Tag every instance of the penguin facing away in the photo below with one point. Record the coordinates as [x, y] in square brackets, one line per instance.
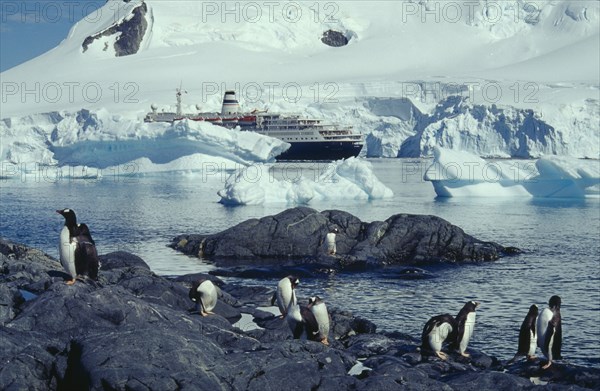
[318, 308]
[285, 296]
[438, 330]
[330, 240]
[77, 249]
[549, 331]
[528, 335]
[465, 323]
[204, 294]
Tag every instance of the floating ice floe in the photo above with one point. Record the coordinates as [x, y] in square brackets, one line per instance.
[92, 145]
[460, 174]
[352, 178]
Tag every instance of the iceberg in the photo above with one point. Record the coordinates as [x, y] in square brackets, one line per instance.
[462, 174]
[86, 141]
[352, 178]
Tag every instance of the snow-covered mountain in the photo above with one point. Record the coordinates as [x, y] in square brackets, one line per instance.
[496, 78]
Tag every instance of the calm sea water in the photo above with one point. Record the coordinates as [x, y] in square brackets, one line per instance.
[561, 240]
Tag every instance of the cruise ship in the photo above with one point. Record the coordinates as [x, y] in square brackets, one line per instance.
[310, 139]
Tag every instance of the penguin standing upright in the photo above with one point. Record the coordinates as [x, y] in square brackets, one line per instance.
[319, 310]
[77, 249]
[302, 322]
[204, 294]
[528, 335]
[285, 294]
[465, 323]
[438, 330]
[549, 331]
[330, 240]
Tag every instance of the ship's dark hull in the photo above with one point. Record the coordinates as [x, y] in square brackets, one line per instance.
[323, 150]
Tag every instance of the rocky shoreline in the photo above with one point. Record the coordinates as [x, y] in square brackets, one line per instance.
[135, 330]
[295, 238]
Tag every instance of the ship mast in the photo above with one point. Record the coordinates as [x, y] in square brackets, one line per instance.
[178, 97]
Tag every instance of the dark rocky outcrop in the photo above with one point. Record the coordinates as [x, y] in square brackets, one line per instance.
[295, 237]
[132, 31]
[133, 330]
[334, 38]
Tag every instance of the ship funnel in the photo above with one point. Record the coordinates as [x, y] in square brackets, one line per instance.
[230, 104]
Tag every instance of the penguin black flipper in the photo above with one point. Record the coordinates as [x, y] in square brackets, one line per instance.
[274, 298]
[527, 330]
[86, 255]
[433, 323]
[554, 327]
[310, 324]
[86, 260]
[298, 330]
[549, 340]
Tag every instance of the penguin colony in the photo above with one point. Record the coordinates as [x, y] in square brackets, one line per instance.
[543, 331]
[79, 257]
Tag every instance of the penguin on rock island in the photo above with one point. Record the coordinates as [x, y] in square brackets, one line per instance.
[330, 240]
[204, 294]
[528, 335]
[317, 306]
[549, 331]
[77, 249]
[465, 323]
[437, 331]
[285, 295]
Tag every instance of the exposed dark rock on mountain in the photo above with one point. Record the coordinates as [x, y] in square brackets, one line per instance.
[295, 237]
[134, 330]
[334, 38]
[132, 31]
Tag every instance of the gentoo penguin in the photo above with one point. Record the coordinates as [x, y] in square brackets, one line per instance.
[204, 294]
[319, 310]
[77, 249]
[330, 240]
[285, 294]
[549, 336]
[302, 321]
[527, 335]
[465, 323]
[438, 330]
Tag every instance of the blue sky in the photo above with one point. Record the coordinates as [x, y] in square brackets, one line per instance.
[29, 28]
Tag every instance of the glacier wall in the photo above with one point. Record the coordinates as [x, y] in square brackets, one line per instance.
[402, 130]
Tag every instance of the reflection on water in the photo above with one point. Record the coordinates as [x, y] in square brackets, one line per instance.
[560, 239]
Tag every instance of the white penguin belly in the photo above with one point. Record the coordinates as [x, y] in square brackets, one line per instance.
[322, 317]
[331, 242]
[285, 298]
[294, 318]
[532, 343]
[438, 335]
[208, 295]
[66, 249]
[542, 327]
[469, 327]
